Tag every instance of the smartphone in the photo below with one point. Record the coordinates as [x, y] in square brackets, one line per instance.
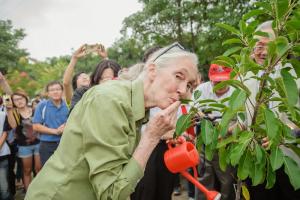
[92, 48]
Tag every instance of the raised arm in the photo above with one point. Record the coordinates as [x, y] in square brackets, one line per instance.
[67, 80]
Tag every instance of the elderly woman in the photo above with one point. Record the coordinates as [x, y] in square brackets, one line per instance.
[102, 154]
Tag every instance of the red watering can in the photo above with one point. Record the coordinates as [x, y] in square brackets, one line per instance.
[182, 157]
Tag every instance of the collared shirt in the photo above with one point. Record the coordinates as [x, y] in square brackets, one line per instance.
[207, 92]
[51, 116]
[94, 158]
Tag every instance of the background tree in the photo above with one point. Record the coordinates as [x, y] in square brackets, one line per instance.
[191, 23]
[10, 53]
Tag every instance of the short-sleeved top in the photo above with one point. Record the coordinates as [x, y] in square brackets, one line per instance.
[94, 159]
[25, 135]
[207, 92]
[51, 116]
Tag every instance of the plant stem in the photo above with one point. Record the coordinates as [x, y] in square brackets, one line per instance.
[238, 190]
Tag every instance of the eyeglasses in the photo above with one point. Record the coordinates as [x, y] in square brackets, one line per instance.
[54, 90]
[175, 45]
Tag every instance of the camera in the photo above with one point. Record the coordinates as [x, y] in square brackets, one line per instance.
[6, 99]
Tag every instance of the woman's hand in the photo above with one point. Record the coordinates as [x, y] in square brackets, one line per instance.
[102, 52]
[79, 52]
[163, 122]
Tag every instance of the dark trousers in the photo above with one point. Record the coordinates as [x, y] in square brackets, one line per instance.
[11, 166]
[46, 150]
[158, 181]
[213, 178]
[282, 190]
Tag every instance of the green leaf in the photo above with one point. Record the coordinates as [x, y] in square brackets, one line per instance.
[243, 170]
[243, 26]
[282, 7]
[226, 141]
[242, 116]
[209, 153]
[222, 158]
[282, 45]
[228, 28]
[237, 100]
[272, 126]
[197, 94]
[294, 24]
[199, 143]
[231, 51]
[238, 151]
[271, 177]
[253, 13]
[207, 101]
[290, 87]
[185, 101]
[236, 103]
[265, 5]
[206, 131]
[229, 62]
[293, 171]
[258, 174]
[296, 65]
[183, 123]
[294, 148]
[259, 153]
[262, 34]
[232, 41]
[217, 105]
[233, 83]
[276, 158]
[226, 118]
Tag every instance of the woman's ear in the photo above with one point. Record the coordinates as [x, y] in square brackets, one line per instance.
[151, 71]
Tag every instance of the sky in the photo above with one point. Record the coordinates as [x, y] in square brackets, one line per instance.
[55, 27]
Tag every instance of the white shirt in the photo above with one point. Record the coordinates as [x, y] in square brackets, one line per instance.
[207, 92]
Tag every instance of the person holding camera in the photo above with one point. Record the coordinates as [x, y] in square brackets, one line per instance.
[80, 79]
[26, 138]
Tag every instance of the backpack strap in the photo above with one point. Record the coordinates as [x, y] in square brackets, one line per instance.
[17, 117]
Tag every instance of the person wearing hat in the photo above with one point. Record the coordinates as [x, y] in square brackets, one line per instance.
[211, 175]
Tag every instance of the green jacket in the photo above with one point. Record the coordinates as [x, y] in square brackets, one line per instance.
[94, 158]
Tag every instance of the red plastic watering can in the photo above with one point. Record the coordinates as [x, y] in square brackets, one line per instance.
[182, 157]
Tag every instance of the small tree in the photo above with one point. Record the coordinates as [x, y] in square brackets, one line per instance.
[243, 148]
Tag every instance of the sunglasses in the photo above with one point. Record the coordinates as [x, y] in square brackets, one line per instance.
[173, 46]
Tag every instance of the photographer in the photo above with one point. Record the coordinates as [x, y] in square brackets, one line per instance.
[80, 79]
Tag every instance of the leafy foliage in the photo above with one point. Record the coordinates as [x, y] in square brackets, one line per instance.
[277, 94]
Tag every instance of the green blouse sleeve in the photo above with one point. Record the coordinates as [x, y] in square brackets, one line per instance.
[108, 147]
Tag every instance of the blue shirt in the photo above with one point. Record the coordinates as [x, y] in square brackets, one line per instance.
[53, 117]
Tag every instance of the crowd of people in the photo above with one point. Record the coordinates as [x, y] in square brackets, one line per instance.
[103, 136]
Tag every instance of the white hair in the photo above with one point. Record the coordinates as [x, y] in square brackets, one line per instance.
[160, 58]
[266, 27]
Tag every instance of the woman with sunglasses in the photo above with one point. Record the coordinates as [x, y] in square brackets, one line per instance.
[26, 138]
[102, 154]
